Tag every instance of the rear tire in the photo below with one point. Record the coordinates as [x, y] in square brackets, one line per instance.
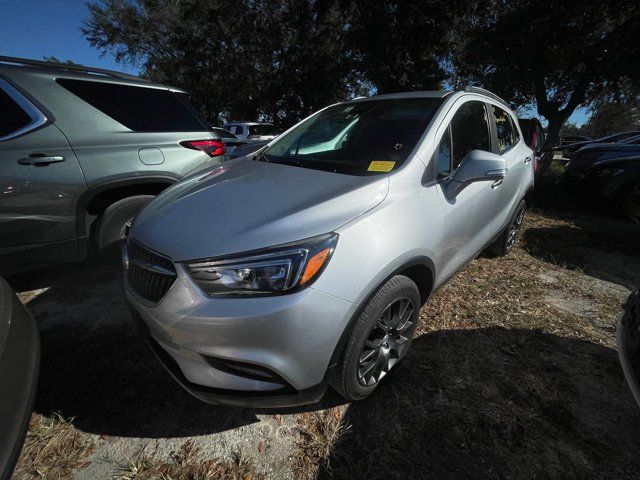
[113, 223]
[509, 236]
[380, 338]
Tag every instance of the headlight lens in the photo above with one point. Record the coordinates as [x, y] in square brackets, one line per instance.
[276, 270]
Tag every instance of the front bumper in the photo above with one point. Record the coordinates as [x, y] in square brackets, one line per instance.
[628, 340]
[293, 337]
[19, 362]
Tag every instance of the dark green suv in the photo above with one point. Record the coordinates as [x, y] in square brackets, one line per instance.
[81, 151]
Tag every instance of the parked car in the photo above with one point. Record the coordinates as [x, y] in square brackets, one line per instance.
[566, 140]
[81, 151]
[253, 131]
[534, 136]
[289, 271]
[247, 149]
[613, 186]
[231, 142]
[592, 154]
[569, 150]
[19, 362]
[628, 339]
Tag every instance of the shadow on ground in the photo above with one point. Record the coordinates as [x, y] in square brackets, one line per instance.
[605, 249]
[96, 370]
[494, 403]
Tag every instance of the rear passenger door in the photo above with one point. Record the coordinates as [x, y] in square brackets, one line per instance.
[469, 218]
[40, 183]
[517, 156]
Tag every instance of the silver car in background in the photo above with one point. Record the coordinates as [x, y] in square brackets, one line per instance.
[264, 280]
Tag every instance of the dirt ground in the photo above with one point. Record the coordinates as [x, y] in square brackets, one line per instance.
[513, 374]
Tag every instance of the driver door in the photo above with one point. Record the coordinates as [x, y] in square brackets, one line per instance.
[469, 218]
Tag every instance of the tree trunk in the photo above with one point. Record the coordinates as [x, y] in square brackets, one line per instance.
[556, 122]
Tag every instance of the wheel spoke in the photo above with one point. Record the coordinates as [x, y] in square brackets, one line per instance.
[366, 356]
[387, 341]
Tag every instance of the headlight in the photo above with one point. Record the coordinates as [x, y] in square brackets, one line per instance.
[275, 270]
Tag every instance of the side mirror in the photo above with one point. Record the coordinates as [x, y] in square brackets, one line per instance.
[477, 166]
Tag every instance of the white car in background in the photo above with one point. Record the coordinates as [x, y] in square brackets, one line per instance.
[253, 131]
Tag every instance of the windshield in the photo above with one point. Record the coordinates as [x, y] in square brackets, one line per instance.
[363, 138]
[263, 130]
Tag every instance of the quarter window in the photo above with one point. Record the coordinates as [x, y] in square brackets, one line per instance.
[13, 118]
[139, 109]
[505, 130]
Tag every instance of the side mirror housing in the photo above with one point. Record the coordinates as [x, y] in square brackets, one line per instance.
[477, 166]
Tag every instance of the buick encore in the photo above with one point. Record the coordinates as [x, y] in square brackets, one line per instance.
[305, 264]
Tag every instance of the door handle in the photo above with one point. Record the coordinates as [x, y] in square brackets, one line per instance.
[39, 159]
[496, 184]
[527, 159]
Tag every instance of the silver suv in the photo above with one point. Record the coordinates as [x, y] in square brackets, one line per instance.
[81, 151]
[266, 279]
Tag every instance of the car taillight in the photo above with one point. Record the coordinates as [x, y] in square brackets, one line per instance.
[213, 148]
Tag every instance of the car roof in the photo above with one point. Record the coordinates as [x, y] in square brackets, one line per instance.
[435, 94]
[9, 65]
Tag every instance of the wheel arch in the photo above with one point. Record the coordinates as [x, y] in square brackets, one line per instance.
[95, 200]
[421, 270]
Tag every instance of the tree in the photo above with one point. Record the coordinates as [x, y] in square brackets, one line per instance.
[560, 54]
[279, 60]
[615, 111]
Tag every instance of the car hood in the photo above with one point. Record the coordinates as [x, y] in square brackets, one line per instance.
[246, 205]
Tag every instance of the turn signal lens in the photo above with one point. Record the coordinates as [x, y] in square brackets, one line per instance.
[314, 264]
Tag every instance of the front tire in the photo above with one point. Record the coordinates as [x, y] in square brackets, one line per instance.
[380, 338]
[112, 225]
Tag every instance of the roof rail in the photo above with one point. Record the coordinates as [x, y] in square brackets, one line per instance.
[70, 67]
[472, 89]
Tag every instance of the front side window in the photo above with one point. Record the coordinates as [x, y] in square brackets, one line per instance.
[443, 154]
[139, 109]
[13, 118]
[361, 138]
[469, 131]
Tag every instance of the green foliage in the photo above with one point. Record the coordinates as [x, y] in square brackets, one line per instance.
[558, 54]
[282, 60]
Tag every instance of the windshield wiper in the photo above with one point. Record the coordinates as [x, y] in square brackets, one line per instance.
[261, 157]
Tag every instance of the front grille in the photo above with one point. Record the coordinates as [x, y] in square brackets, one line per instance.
[148, 274]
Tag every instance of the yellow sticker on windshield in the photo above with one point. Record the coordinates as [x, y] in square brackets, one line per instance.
[378, 166]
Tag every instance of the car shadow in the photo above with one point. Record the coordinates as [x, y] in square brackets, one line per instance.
[604, 249]
[97, 370]
[494, 403]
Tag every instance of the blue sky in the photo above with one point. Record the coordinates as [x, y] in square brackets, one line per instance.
[37, 28]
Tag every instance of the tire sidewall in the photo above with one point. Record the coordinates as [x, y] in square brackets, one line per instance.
[397, 287]
[111, 222]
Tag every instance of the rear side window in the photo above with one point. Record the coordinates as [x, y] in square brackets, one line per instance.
[12, 118]
[469, 131]
[139, 109]
[506, 131]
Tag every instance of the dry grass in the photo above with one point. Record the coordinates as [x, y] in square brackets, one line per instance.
[512, 373]
[320, 432]
[53, 449]
[186, 464]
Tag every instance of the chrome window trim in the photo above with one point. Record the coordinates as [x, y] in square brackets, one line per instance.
[37, 117]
